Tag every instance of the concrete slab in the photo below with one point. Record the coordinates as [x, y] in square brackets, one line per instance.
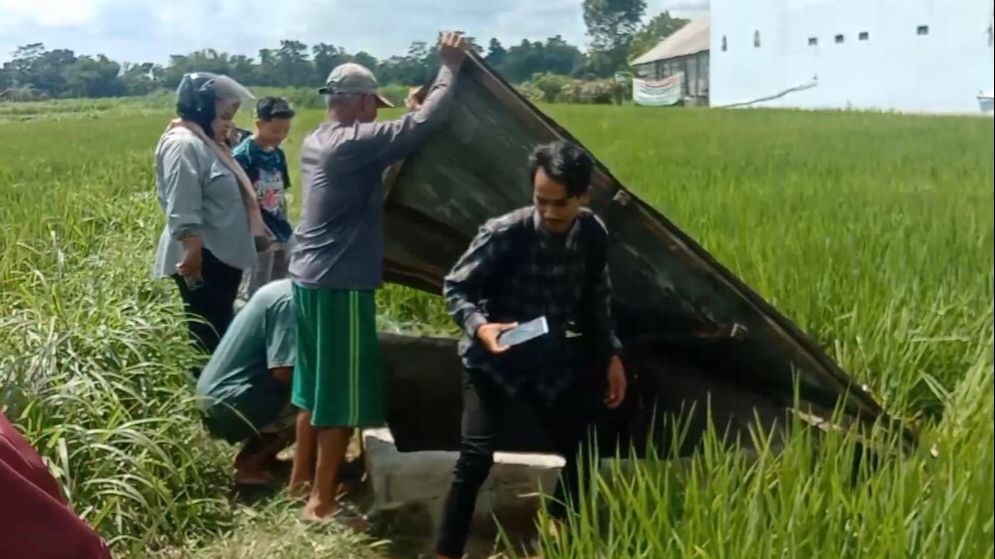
[417, 483]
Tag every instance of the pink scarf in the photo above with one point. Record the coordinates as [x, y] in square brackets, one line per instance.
[259, 230]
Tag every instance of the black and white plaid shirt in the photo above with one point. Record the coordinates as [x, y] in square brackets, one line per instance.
[515, 271]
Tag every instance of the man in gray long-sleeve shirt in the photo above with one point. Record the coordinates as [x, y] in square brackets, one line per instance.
[338, 263]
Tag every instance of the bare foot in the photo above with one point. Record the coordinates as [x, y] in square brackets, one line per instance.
[315, 510]
[334, 514]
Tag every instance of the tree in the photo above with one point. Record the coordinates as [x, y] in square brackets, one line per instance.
[366, 59]
[412, 69]
[266, 71]
[418, 50]
[472, 44]
[424, 58]
[599, 64]
[293, 67]
[560, 57]
[36, 72]
[242, 68]
[207, 60]
[49, 71]
[611, 25]
[655, 30]
[19, 67]
[141, 79]
[34, 66]
[496, 53]
[520, 62]
[325, 57]
[523, 60]
[94, 77]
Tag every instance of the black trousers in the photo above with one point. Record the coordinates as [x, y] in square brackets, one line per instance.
[485, 408]
[211, 307]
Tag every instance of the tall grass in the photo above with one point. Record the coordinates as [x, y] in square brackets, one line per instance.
[78, 109]
[159, 102]
[873, 232]
[93, 362]
[802, 494]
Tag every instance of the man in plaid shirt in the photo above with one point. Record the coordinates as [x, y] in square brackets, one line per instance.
[548, 259]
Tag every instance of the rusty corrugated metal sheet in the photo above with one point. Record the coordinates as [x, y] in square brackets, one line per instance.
[674, 302]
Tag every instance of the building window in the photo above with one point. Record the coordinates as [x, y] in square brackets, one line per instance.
[864, 35]
[813, 41]
[839, 38]
[922, 30]
[703, 73]
[725, 44]
[756, 39]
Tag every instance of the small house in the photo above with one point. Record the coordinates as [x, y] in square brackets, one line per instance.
[682, 56]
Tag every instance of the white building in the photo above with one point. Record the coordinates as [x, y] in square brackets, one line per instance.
[906, 55]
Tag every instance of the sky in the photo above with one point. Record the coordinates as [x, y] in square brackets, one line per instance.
[149, 31]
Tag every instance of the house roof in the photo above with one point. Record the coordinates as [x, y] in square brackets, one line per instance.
[688, 40]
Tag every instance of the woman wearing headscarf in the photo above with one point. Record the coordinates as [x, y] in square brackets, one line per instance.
[213, 224]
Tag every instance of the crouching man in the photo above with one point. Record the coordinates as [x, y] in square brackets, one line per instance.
[545, 260]
[244, 391]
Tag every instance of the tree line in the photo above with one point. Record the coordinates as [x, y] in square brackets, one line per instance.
[615, 29]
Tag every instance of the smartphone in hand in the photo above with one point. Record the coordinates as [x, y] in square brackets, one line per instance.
[524, 332]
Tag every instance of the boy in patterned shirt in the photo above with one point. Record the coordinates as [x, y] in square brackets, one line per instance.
[266, 165]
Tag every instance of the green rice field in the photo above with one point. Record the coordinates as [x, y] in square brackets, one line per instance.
[873, 232]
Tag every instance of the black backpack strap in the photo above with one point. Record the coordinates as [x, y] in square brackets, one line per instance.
[596, 241]
[595, 238]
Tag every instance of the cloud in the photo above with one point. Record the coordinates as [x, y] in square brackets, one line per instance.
[687, 5]
[539, 20]
[135, 31]
[50, 13]
[683, 8]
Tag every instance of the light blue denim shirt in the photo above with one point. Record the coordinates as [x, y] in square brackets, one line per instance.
[199, 195]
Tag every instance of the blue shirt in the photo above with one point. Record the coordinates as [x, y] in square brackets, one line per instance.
[237, 390]
[267, 169]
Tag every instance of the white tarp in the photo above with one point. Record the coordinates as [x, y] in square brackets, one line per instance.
[658, 93]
